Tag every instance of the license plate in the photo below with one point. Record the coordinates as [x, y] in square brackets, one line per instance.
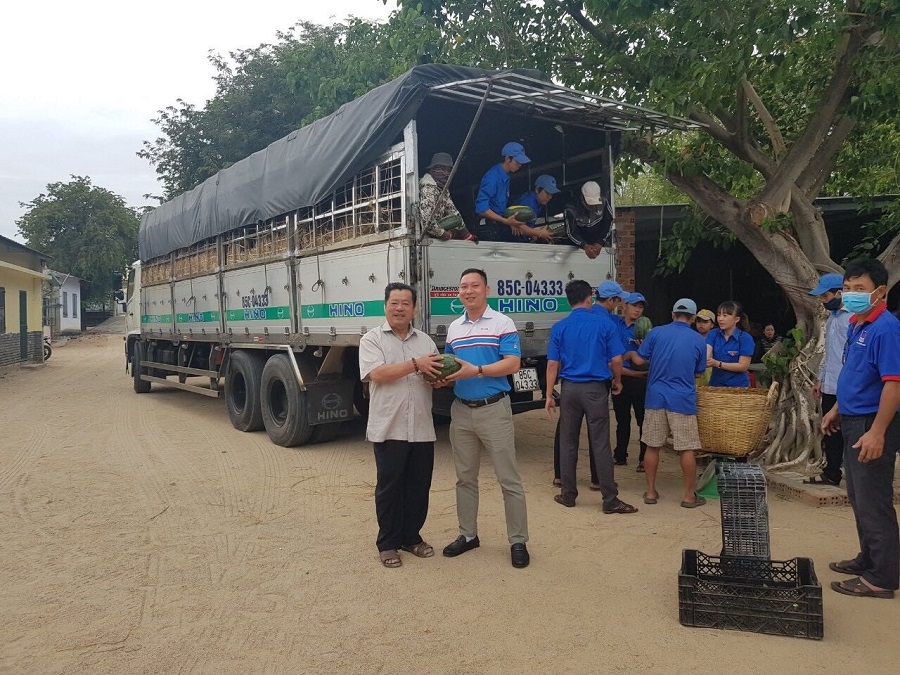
[526, 379]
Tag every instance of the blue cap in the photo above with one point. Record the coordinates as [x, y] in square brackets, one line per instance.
[516, 151]
[635, 298]
[685, 306]
[547, 183]
[610, 289]
[828, 282]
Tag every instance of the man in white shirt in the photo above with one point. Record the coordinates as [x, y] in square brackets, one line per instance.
[392, 358]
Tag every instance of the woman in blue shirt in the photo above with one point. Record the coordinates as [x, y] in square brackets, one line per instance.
[729, 347]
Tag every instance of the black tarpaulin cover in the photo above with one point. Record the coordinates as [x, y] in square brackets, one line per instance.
[300, 169]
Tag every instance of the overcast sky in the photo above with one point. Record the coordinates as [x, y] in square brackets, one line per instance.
[81, 81]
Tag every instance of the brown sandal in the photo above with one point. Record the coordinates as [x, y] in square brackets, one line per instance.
[420, 550]
[390, 558]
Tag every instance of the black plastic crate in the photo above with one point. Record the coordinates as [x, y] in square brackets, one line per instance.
[745, 513]
[760, 596]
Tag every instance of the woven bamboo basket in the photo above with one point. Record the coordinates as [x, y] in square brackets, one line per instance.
[733, 420]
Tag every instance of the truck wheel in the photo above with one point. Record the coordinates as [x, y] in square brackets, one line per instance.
[137, 355]
[283, 404]
[242, 386]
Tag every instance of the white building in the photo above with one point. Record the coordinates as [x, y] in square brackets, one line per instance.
[63, 304]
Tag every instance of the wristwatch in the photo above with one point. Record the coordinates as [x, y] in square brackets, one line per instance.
[480, 371]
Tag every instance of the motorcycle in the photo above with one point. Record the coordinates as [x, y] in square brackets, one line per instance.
[48, 349]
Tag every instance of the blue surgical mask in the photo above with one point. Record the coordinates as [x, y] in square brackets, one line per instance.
[832, 305]
[858, 302]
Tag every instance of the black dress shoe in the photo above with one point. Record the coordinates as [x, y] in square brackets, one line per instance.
[459, 546]
[519, 555]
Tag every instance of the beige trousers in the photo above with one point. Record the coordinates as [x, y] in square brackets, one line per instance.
[489, 427]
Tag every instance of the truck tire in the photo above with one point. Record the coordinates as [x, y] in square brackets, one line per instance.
[283, 404]
[137, 355]
[242, 387]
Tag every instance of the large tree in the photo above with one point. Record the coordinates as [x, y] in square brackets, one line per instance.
[793, 99]
[88, 230]
[264, 93]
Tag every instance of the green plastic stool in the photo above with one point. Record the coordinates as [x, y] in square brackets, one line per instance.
[708, 483]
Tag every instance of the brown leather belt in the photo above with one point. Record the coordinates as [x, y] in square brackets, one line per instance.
[481, 402]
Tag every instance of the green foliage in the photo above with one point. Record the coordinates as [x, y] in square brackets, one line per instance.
[648, 187]
[676, 248]
[778, 360]
[264, 93]
[88, 230]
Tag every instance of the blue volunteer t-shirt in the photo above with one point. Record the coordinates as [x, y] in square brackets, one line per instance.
[493, 193]
[676, 353]
[730, 350]
[626, 334]
[481, 343]
[871, 357]
[584, 344]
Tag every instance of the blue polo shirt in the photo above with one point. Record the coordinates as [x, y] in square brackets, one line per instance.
[730, 350]
[493, 193]
[626, 334]
[481, 343]
[676, 353]
[584, 344]
[871, 357]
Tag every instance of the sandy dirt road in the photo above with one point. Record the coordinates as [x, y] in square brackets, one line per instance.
[143, 534]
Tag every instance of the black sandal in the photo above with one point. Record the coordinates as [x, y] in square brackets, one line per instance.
[820, 480]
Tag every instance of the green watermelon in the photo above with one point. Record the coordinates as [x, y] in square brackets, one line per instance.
[641, 327]
[524, 214]
[452, 222]
[450, 366]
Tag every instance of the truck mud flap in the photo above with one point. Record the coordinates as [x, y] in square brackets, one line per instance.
[329, 401]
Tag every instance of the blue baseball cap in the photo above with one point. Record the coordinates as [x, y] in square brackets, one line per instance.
[547, 183]
[685, 306]
[635, 298]
[828, 282]
[610, 289]
[516, 151]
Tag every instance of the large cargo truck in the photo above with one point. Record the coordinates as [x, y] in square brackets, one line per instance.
[258, 284]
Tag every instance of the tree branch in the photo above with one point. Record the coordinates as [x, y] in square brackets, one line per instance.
[833, 99]
[573, 9]
[747, 151]
[818, 170]
[768, 121]
[891, 259]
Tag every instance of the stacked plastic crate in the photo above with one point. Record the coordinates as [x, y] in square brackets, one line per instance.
[743, 589]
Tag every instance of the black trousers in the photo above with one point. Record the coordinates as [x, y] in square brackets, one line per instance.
[833, 445]
[401, 493]
[556, 475]
[871, 492]
[578, 400]
[634, 390]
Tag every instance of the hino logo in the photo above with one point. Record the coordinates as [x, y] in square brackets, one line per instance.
[456, 306]
[332, 401]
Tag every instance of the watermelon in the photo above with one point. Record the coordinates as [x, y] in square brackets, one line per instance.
[452, 222]
[641, 327]
[523, 214]
[449, 366]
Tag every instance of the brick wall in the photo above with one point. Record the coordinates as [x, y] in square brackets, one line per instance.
[9, 348]
[625, 258]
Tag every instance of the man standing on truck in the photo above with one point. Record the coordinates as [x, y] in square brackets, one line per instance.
[391, 358]
[588, 222]
[537, 200]
[486, 344]
[493, 197]
[435, 207]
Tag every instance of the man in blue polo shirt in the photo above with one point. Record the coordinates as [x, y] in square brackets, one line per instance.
[868, 397]
[493, 197]
[634, 384]
[586, 353]
[537, 200]
[486, 345]
[677, 355]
